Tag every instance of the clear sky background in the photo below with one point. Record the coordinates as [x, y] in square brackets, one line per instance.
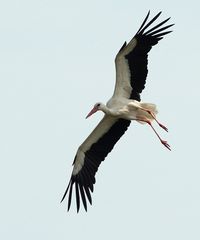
[56, 61]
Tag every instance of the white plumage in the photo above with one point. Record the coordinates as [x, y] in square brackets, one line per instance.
[131, 72]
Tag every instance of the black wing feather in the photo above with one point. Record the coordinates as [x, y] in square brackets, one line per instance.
[70, 194]
[138, 57]
[85, 179]
[159, 25]
[143, 23]
[88, 194]
[148, 24]
[77, 196]
[83, 196]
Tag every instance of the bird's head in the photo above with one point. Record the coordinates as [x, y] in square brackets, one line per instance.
[98, 106]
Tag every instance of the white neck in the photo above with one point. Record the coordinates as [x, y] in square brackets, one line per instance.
[108, 111]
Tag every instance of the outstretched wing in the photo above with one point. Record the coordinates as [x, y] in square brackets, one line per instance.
[131, 61]
[89, 156]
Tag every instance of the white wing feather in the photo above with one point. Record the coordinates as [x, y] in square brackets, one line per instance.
[122, 86]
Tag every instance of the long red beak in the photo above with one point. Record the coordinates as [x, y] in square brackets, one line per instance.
[92, 112]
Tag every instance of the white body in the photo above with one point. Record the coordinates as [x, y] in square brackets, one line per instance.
[129, 109]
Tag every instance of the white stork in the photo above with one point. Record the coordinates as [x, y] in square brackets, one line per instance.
[124, 106]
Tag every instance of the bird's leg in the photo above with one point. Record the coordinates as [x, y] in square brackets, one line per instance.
[153, 116]
[161, 140]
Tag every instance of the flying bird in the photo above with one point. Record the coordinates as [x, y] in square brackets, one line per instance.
[125, 105]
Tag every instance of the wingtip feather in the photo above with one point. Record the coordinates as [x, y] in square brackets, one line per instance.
[144, 21]
[65, 193]
[149, 23]
[77, 197]
[70, 196]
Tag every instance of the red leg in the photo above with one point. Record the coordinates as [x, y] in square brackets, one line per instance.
[153, 116]
[161, 140]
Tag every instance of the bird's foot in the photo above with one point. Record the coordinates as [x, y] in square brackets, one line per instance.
[166, 144]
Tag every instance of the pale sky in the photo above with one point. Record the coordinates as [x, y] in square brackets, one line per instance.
[57, 60]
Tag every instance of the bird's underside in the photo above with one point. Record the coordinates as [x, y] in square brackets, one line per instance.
[131, 72]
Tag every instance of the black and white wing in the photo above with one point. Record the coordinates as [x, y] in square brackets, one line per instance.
[131, 61]
[131, 72]
[89, 156]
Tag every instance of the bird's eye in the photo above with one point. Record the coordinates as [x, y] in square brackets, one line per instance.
[98, 105]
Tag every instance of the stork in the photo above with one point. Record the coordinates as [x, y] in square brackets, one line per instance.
[124, 106]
